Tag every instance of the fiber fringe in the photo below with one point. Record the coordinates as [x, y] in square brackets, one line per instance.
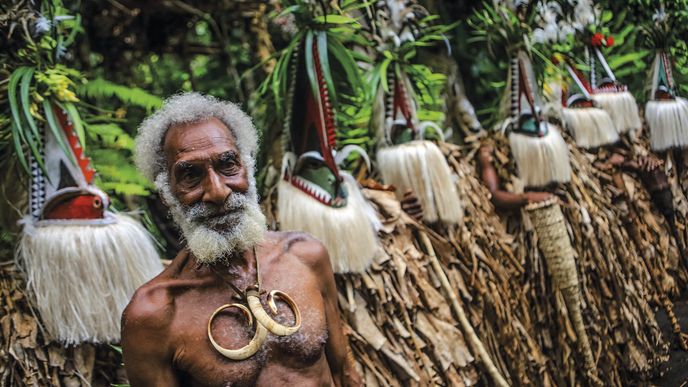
[82, 276]
[420, 165]
[668, 122]
[591, 127]
[336, 228]
[541, 160]
[622, 108]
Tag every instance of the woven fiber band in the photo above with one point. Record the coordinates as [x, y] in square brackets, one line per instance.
[555, 245]
[554, 242]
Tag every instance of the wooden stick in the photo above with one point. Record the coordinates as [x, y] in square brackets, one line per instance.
[473, 339]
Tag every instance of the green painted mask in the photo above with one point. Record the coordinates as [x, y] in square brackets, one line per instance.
[664, 90]
[528, 125]
[525, 99]
[401, 133]
[311, 136]
[312, 176]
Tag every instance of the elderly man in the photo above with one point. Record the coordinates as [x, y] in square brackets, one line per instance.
[239, 305]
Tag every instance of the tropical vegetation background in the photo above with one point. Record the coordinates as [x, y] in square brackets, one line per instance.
[110, 63]
[113, 62]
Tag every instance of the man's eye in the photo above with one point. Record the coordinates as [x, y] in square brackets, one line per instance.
[228, 167]
[188, 176]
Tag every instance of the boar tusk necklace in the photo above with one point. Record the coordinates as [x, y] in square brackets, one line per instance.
[255, 313]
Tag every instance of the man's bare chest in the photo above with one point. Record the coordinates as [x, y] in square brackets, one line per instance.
[196, 358]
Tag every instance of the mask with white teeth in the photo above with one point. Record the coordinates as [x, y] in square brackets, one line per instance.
[313, 177]
[314, 195]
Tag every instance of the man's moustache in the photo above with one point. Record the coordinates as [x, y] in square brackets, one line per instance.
[208, 211]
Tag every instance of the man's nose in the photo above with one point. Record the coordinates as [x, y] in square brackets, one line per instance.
[214, 189]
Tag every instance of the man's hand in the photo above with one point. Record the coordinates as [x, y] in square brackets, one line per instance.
[412, 206]
[649, 163]
[536, 197]
[616, 159]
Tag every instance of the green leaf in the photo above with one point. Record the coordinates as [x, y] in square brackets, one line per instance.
[16, 139]
[428, 19]
[116, 173]
[607, 16]
[25, 85]
[361, 57]
[276, 81]
[346, 60]
[112, 135]
[16, 76]
[412, 52]
[354, 141]
[325, 65]
[383, 74]
[73, 114]
[125, 188]
[310, 66]
[17, 133]
[101, 88]
[74, 32]
[288, 10]
[285, 70]
[618, 61]
[57, 130]
[352, 5]
[373, 80]
[334, 19]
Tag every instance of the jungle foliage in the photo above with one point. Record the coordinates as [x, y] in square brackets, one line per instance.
[109, 64]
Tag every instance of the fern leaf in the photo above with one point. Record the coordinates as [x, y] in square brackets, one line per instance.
[100, 88]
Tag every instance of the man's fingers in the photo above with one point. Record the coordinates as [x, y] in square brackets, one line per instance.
[411, 205]
[410, 209]
[418, 216]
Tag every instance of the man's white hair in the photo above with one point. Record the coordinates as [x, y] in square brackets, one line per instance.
[206, 243]
[190, 108]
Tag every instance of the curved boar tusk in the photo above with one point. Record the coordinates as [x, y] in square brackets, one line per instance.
[262, 317]
[249, 349]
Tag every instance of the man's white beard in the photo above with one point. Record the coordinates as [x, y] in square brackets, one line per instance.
[213, 233]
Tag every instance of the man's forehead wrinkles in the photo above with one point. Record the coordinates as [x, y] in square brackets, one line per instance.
[197, 158]
[201, 143]
[193, 155]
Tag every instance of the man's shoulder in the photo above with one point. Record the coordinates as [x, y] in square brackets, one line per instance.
[150, 306]
[301, 246]
[152, 303]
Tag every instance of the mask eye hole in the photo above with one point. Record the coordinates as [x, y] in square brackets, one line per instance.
[97, 202]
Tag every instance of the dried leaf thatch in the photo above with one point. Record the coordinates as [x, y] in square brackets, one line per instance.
[616, 284]
[401, 325]
[27, 358]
